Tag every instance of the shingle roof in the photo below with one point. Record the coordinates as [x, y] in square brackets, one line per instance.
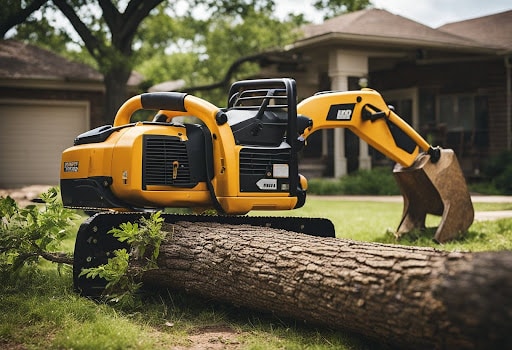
[19, 60]
[493, 29]
[379, 25]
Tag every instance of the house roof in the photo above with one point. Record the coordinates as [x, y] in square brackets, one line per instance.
[380, 26]
[494, 29]
[23, 61]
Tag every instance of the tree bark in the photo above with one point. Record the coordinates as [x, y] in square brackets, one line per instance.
[18, 15]
[406, 297]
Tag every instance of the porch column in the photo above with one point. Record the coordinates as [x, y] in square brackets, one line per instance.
[342, 65]
[339, 82]
[365, 161]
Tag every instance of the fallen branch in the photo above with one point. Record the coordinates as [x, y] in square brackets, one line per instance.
[58, 257]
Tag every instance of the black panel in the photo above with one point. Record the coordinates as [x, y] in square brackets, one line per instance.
[98, 134]
[161, 153]
[92, 192]
[165, 162]
[401, 139]
[172, 101]
[200, 152]
[257, 164]
[341, 112]
[268, 130]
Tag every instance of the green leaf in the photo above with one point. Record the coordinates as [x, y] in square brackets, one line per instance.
[26, 233]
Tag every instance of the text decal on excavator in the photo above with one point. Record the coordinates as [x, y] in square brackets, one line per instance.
[71, 167]
[342, 112]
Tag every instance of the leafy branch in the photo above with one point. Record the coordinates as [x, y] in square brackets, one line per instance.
[144, 238]
[26, 234]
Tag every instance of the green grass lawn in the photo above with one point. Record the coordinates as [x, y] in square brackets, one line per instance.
[377, 221]
[40, 310]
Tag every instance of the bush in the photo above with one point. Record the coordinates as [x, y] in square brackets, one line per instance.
[325, 186]
[378, 181]
[499, 172]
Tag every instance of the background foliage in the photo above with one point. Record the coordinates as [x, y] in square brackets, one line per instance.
[193, 40]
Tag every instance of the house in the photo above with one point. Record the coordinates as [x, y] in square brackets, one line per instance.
[45, 101]
[452, 84]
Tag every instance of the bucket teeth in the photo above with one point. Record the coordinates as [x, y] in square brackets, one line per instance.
[435, 188]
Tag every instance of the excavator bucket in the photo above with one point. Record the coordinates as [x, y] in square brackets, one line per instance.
[437, 188]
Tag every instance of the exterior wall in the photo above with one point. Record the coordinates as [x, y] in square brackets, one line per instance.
[484, 79]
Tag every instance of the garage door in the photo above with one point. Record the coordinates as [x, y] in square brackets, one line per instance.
[32, 137]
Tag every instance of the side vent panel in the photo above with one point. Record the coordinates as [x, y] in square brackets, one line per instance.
[165, 162]
[264, 170]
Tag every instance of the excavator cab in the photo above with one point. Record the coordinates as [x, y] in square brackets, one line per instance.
[244, 157]
[260, 112]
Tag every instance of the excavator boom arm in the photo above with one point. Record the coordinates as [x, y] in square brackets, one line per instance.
[429, 178]
[367, 115]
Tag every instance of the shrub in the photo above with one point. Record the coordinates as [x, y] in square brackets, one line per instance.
[378, 181]
[324, 186]
[499, 172]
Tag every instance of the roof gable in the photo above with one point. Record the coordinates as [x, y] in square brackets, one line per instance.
[23, 61]
[493, 29]
[383, 25]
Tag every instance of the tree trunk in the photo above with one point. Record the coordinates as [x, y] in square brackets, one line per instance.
[116, 92]
[403, 296]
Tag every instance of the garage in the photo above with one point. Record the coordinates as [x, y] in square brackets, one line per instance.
[33, 135]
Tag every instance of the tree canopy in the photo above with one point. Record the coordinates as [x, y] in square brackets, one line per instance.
[162, 39]
[333, 8]
[206, 48]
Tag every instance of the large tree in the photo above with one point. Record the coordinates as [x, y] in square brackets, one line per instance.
[108, 30]
[109, 40]
[211, 52]
[404, 297]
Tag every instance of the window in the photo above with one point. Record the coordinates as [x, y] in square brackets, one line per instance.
[457, 112]
[463, 117]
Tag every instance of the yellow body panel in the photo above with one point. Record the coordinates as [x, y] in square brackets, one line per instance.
[243, 205]
[90, 160]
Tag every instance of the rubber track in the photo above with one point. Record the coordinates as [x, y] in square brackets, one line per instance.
[94, 246]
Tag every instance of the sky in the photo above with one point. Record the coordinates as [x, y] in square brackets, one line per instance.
[433, 13]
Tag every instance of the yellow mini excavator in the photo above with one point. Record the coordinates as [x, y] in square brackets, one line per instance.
[241, 158]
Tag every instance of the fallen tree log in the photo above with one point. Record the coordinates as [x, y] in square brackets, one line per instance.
[407, 297]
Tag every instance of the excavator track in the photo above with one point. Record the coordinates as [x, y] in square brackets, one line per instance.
[94, 246]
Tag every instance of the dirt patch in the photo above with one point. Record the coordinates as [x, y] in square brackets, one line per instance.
[212, 338]
[24, 195]
[11, 346]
